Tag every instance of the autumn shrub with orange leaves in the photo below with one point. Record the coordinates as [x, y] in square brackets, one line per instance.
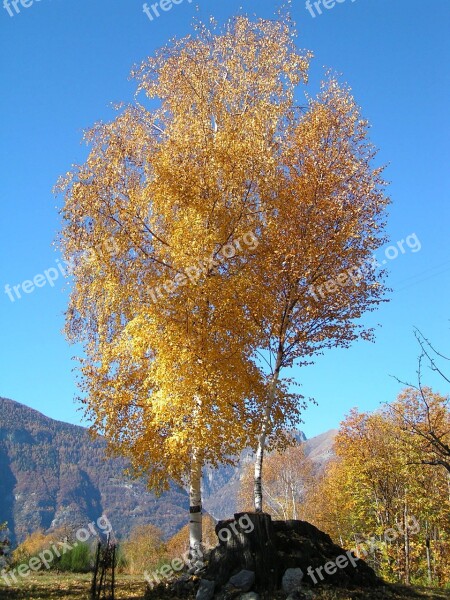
[39, 541]
[143, 549]
[32, 546]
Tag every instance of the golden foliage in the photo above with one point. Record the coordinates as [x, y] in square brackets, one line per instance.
[172, 187]
[226, 152]
[38, 541]
[143, 549]
[377, 484]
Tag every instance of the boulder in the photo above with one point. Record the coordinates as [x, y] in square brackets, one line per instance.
[206, 590]
[292, 580]
[243, 581]
[300, 545]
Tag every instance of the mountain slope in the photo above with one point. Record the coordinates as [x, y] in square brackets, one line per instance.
[320, 448]
[53, 473]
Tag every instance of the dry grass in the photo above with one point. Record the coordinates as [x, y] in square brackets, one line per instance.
[384, 593]
[64, 586]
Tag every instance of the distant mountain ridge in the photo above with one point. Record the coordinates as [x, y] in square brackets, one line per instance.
[320, 448]
[54, 473]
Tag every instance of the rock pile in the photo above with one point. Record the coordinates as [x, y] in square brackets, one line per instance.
[287, 557]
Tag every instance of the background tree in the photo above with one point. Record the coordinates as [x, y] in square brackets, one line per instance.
[424, 418]
[423, 413]
[377, 497]
[329, 504]
[287, 478]
[164, 195]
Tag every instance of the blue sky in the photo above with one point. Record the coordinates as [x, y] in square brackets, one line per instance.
[64, 62]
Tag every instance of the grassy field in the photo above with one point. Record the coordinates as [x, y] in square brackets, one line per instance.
[63, 586]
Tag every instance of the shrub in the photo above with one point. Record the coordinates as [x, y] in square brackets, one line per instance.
[143, 549]
[121, 560]
[77, 560]
[31, 546]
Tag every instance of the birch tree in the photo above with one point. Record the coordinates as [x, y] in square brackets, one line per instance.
[314, 276]
[287, 478]
[159, 223]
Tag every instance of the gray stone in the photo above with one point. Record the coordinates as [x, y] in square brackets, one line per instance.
[250, 596]
[206, 590]
[243, 580]
[197, 568]
[292, 580]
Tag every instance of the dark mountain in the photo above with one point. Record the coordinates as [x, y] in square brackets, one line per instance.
[54, 474]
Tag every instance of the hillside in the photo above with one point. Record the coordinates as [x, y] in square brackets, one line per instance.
[53, 473]
[320, 448]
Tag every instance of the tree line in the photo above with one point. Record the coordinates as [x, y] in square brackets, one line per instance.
[386, 491]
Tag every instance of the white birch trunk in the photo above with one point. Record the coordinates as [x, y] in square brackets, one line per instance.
[294, 502]
[428, 552]
[263, 436]
[195, 511]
